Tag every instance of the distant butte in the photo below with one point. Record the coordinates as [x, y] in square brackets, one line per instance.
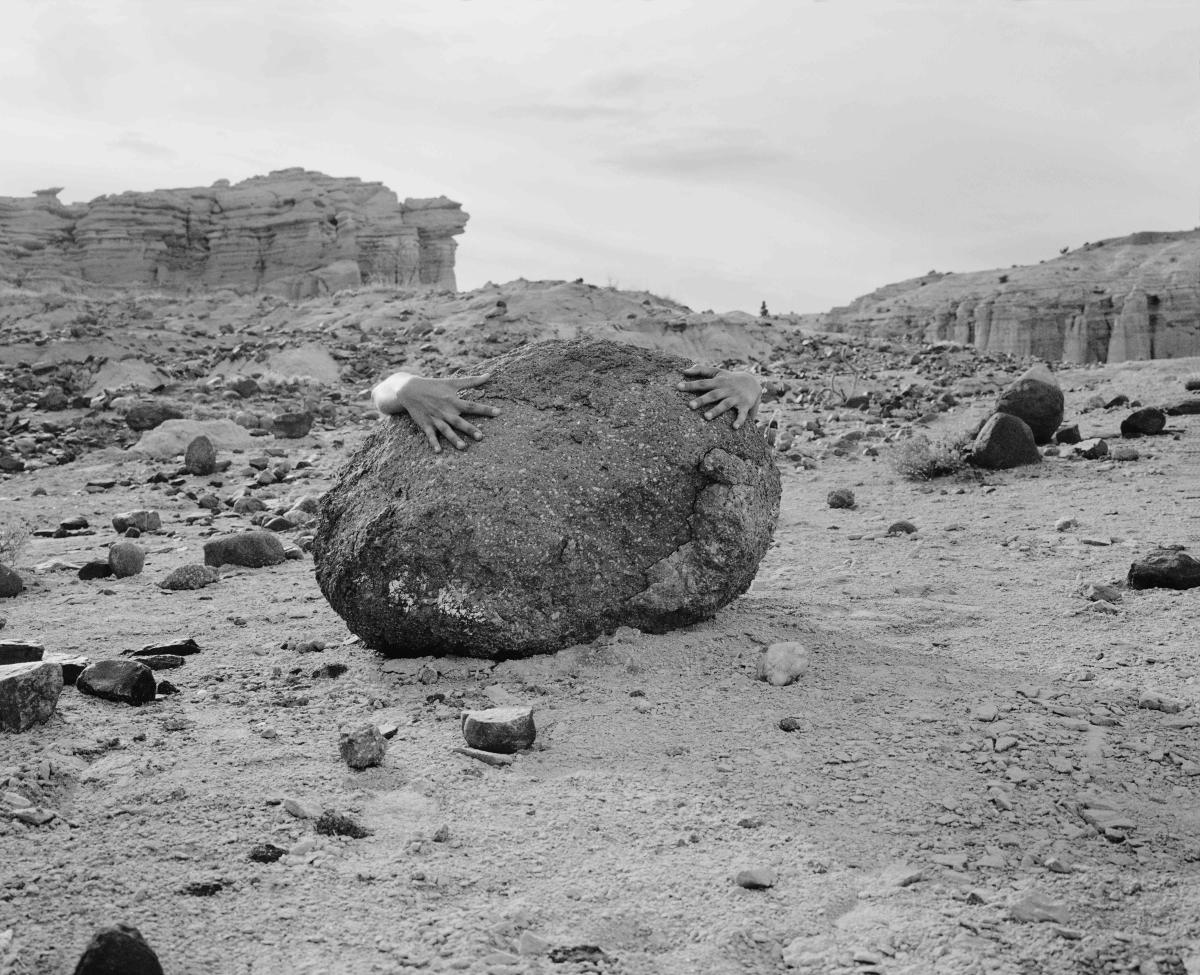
[1135, 297]
[292, 233]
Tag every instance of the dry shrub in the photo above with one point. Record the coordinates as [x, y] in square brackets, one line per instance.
[12, 542]
[922, 459]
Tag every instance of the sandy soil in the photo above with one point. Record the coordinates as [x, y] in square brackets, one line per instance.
[967, 720]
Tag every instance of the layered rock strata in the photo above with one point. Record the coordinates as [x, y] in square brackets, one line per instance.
[1135, 297]
[293, 233]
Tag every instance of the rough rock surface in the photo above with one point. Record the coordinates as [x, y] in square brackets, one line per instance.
[597, 499]
[1146, 422]
[1036, 398]
[1165, 570]
[190, 577]
[1134, 297]
[28, 693]
[1005, 441]
[293, 233]
[10, 583]
[125, 681]
[254, 549]
[118, 949]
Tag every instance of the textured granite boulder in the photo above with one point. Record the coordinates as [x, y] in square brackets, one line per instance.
[1164, 570]
[1036, 398]
[1005, 441]
[124, 681]
[597, 499]
[28, 693]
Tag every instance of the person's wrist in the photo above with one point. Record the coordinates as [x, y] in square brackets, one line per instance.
[387, 394]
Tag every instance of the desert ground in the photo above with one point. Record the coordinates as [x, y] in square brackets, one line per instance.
[970, 784]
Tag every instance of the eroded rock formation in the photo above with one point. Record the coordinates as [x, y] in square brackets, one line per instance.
[1135, 297]
[293, 233]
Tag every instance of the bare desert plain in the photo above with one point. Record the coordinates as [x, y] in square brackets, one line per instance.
[991, 763]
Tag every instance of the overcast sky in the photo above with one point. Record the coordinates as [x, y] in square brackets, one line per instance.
[719, 152]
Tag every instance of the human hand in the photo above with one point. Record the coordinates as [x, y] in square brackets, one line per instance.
[433, 405]
[723, 390]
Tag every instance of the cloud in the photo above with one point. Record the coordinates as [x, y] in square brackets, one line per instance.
[138, 145]
[718, 156]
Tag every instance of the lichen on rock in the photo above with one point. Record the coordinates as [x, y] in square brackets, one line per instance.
[597, 499]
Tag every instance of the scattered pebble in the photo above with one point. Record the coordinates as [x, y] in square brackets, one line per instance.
[755, 878]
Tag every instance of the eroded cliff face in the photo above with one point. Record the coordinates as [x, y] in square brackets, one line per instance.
[293, 233]
[1135, 297]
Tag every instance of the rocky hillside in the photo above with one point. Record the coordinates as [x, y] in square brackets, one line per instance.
[292, 233]
[1135, 297]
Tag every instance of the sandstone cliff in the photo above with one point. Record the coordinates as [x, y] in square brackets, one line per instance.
[293, 233]
[1135, 297]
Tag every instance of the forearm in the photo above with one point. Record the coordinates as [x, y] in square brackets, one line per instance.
[388, 395]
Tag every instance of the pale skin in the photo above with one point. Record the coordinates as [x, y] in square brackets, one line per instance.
[439, 412]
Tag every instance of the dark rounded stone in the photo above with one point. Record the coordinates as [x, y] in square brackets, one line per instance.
[1185, 407]
[1146, 422]
[125, 681]
[840, 498]
[119, 950]
[147, 416]
[1036, 398]
[1165, 570]
[254, 549]
[10, 583]
[1119, 400]
[126, 559]
[1005, 441]
[901, 528]
[244, 386]
[597, 499]
[200, 459]
[266, 853]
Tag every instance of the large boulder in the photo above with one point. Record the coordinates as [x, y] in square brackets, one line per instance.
[597, 499]
[1036, 398]
[1005, 441]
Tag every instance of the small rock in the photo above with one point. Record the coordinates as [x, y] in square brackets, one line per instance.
[1186, 407]
[790, 724]
[755, 878]
[488, 758]
[1102, 591]
[126, 559]
[901, 528]
[190, 577]
[362, 747]
[1154, 701]
[1064, 524]
[200, 458]
[1165, 570]
[147, 416]
[1092, 449]
[1068, 433]
[783, 663]
[20, 652]
[161, 661]
[124, 681]
[76, 523]
[1119, 400]
[28, 693]
[119, 950]
[292, 426]
[1123, 453]
[504, 730]
[10, 583]
[266, 853]
[301, 810]
[142, 520]
[1036, 906]
[254, 549]
[1145, 422]
[95, 569]
[840, 498]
